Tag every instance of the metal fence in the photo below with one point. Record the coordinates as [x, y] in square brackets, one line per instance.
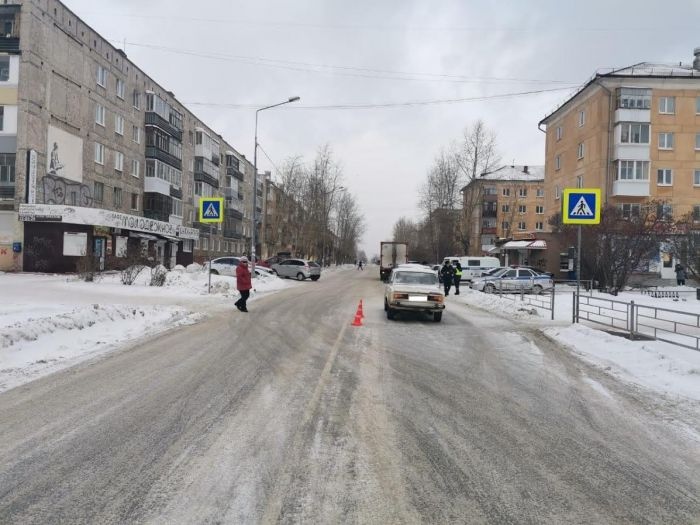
[544, 300]
[670, 294]
[663, 324]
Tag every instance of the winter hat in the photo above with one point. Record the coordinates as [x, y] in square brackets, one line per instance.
[244, 259]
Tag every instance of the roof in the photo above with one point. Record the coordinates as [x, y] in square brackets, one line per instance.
[640, 70]
[416, 268]
[515, 172]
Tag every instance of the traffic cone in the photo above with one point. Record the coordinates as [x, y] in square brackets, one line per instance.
[358, 318]
[359, 309]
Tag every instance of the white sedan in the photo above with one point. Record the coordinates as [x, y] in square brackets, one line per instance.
[414, 289]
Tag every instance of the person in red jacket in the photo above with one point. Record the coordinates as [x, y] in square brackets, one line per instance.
[243, 283]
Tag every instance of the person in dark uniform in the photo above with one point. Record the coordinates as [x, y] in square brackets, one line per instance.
[457, 276]
[447, 273]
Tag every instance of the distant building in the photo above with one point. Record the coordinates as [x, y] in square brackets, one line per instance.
[635, 133]
[97, 159]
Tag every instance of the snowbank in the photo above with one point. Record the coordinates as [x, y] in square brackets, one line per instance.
[494, 303]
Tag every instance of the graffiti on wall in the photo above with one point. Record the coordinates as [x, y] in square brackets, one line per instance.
[58, 190]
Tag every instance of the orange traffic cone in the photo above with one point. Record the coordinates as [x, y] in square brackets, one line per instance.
[359, 309]
[358, 318]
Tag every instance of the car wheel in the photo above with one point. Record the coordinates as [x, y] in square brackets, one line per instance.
[390, 313]
[537, 289]
[314, 278]
[275, 273]
[300, 276]
[214, 272]
[437, 316]
[489, 288]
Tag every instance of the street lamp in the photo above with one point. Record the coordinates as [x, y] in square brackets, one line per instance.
[255, 177]
[330, 192]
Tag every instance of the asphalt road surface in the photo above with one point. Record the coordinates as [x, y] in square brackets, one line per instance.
[289, 414]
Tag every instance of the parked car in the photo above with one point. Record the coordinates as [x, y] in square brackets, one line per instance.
[298, 268]
[513, 280]
[473, 266]
[413, 288]
[261, 270]
[536, 270]
[223, 266]
[493, 271]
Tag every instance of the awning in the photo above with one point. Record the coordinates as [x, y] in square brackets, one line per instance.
[143, 236]
[516, 245]
[538, 245]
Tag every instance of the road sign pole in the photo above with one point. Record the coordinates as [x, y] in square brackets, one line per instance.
[578, 272]
[209, 255]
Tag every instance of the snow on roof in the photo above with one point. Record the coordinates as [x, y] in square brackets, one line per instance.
[650, 69]
[533, 173]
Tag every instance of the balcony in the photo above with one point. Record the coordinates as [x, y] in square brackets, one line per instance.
[630, 188]
[490, 197]
[154, 119]
[489, 212]
[232, 234]
[233, 172]
[632, 115]
[631, 151]
[153, 152]
[176, 192]
[9, 45]
[490, 230]
[200, 176]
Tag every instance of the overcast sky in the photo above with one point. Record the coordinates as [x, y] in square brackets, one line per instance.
[385, 52]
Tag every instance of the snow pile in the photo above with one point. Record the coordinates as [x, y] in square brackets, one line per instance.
[495, 303]
[666, 368]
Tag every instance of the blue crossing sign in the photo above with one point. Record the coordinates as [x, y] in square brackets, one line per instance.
[211, 209]
[581, 206]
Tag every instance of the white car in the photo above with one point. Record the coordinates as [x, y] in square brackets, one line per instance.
[223, 266]
[414, 289]
[513, 280]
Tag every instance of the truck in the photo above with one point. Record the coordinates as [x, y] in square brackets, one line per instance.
[391, 254]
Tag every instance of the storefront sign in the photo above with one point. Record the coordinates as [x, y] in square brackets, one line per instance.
[100, 217]
[31, 176]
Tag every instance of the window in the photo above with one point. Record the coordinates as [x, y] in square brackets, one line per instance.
[176, 207]
[7, 169]
[117, 197]
[634, 133]
[581, 118]
[505, 208]
[559, 133]
[665, 140]
[505, 225]
[136, 99]
[118, 161]
[697, 141]
[634, 98]
[136, 134]
[664, 177]
[539, 226]
[664, 212]
[557, 192]
[198, 188]
[579, 181]
[4, 68]
[100, 115]
[696, 213]
[522, 192]
[135, 201]
[120, 88]
[632, 170]
[135, 168]
[119, 125]
[490, 191]
[521, 225]
[696, 178]
[557, 162]
[99, 153]
[539, 209]
[667, 105]
[580, 150]
[630, 210]
[101, 76]
[506, 192]
[540, 192]
[2, 118]
[522, 209]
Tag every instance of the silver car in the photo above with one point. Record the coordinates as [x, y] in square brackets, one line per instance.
[298, 269]
[223, 266]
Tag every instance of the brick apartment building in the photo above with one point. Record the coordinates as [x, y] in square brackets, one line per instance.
[97, 158]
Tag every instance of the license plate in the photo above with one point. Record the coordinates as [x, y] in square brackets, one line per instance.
[417, 298]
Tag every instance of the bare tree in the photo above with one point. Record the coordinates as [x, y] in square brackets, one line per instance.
[685, 243]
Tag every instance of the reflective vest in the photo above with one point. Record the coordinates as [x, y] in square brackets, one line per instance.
[458, 272]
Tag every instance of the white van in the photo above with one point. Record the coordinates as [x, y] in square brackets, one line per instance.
[473, 266]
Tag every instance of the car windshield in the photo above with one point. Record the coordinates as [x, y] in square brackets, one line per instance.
[415, 278]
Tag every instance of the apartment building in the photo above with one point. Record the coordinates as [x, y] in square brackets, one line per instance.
[635, 133]
[507, 210]
[97, 158]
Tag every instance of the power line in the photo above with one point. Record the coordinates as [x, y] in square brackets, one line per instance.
[353, 71]
[387, 104]
[268, 158]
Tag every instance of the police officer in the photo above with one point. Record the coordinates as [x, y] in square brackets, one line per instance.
[447, 273]
[457, 276]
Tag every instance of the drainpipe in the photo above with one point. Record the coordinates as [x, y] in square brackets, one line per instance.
[611, 118]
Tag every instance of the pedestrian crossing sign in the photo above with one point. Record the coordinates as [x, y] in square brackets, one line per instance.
[581, 206]
[211, 209]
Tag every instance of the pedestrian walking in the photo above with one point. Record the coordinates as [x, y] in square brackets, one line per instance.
[680, 274]
[447, 273]
[457, 276]
[243, 283]
[359, 266]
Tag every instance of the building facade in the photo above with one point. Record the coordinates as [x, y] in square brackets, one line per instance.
[634, 133]
[97, 159]
[507, 205]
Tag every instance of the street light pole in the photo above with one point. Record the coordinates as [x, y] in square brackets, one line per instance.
[255, 179]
